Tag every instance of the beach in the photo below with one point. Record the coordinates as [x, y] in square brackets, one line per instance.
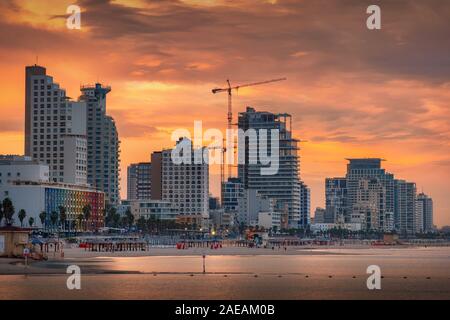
[234, 273]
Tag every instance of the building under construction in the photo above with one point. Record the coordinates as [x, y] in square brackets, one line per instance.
[284, 186]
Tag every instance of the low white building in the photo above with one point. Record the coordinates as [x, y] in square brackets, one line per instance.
[22, 168]
[220, 218]
[318, 227]
[251, 204]
[269, 220]
[158, 209]
[48, 197]
[26, 183]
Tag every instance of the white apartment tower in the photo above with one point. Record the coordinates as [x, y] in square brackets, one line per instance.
[405, 207]
[426, 212]
[55, 128]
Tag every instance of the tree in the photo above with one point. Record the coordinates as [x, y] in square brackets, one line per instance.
[129, 218]
[87, 209]
[42, 217]
[109, 219]
[62, 216]
[22, 214]
[141, 224]
[275, 229]
[54, 218]
[31, 222]
[8, 211]
[124, 221]
[116, 220]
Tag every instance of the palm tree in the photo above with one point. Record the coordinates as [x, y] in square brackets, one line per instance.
[42, 217]
[79, 219]
[31, 222]
[62, 216]
[22, 214]
[54, 218]
[87, 213]
[8, 211]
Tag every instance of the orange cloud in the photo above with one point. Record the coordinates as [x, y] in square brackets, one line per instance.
[352, 92]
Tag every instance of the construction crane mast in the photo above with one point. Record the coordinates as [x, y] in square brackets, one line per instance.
[229, 90]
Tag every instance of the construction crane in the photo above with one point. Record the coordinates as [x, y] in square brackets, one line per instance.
[229, 89]
[222, 149]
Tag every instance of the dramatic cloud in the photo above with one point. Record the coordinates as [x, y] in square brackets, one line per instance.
[352, 92]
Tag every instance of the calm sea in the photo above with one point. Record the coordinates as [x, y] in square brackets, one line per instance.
[422, 273]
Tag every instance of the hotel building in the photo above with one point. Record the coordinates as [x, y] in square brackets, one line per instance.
[55, 128]
[185, 185]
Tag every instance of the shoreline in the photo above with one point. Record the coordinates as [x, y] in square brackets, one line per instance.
[95, 262]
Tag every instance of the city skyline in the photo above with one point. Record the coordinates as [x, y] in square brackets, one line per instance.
[379, 109]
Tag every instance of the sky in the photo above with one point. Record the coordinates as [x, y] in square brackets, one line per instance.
[352, 92]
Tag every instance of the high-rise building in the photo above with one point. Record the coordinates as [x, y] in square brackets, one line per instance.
[336, 198]
[370, 169]
[131, 182]
[55, 128]
[139, 183]
[419, 216]
[156, 175]
[102, 143]
[427, 212]
[368, 210]
[186, 185]
[305, 205]
[283, 186]
[405, 207]
[232, 190]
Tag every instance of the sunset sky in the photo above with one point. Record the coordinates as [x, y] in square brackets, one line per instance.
[352, 92]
